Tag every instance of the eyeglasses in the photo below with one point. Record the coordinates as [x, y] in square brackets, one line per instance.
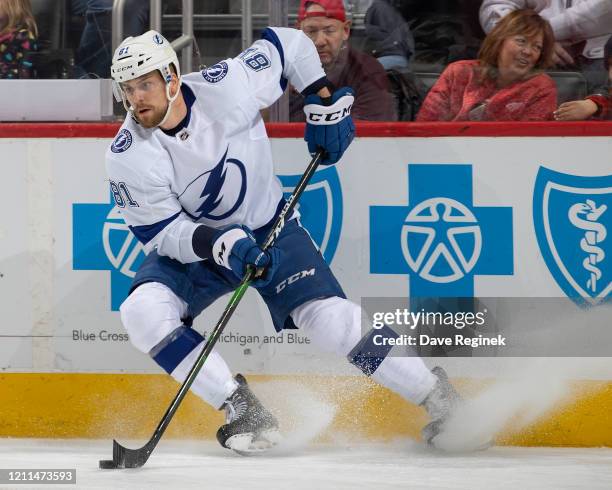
[312, 32]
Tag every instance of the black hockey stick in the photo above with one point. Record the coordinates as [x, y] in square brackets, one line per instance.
[135, 458]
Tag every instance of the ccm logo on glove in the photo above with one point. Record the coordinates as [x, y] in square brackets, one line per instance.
[319, 114]
[313, 117]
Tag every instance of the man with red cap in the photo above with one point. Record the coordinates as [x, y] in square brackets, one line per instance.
[325, 22]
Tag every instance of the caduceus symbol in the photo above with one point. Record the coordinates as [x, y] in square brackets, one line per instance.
[594, 233]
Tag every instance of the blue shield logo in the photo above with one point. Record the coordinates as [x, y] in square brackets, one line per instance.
[320, 208]
[572, 217]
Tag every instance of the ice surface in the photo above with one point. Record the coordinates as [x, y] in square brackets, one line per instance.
[402, 464]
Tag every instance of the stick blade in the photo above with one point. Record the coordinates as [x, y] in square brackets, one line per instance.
[131, 458]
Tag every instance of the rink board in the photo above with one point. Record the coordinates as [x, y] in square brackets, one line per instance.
[129, 406]
[67, 260]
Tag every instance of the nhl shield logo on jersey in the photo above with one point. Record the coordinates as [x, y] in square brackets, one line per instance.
[320, 208]
[215, 73]
[572, 217]
[122, 142]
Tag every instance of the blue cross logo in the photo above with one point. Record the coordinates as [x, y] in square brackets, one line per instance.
[102, 241]
[441, 240]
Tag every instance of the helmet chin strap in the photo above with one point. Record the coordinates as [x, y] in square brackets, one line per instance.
[170, 100]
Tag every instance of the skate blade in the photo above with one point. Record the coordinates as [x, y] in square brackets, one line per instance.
[434, 436]
[248, 445]
[464, 447]
[442, 442]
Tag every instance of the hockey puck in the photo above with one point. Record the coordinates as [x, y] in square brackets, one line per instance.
[107, 464]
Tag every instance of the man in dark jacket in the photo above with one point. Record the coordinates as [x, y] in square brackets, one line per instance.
[388, 37]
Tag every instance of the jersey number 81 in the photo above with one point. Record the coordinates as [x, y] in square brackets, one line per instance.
[121, 194]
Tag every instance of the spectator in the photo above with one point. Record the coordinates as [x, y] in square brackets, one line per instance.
[388, 36]
[505, 82]
[18, 38]
[325, 22]
[597, 106]
[581, 28]
[94, 54]
[444, 31]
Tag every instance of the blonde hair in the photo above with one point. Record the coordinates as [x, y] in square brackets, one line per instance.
[18, 13]
[524, 22]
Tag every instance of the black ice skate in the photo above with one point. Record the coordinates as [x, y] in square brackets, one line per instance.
[249, 428]
[439, 404]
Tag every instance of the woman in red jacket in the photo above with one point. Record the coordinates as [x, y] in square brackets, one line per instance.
[505, 83]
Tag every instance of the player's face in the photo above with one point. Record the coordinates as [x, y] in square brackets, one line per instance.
[328, 35]
[147, 96]
[518, 55]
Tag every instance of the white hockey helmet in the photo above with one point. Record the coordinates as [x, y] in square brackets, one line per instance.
[137, 56]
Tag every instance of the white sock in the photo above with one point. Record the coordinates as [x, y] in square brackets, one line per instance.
[214, 383]
[407, 376]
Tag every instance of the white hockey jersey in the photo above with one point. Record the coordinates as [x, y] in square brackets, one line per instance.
[216, 167]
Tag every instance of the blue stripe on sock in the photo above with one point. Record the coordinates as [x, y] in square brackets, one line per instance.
[175, 347]
[366, 355]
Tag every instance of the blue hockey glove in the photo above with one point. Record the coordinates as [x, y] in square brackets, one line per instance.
[329, 126]
[235, 249]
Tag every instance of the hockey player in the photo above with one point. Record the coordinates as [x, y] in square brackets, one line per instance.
[191, 171]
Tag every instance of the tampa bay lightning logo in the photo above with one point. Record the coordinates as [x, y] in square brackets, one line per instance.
[122, 142]
[215, 73]
[157, 39]
[218, 193]
[573, 221]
